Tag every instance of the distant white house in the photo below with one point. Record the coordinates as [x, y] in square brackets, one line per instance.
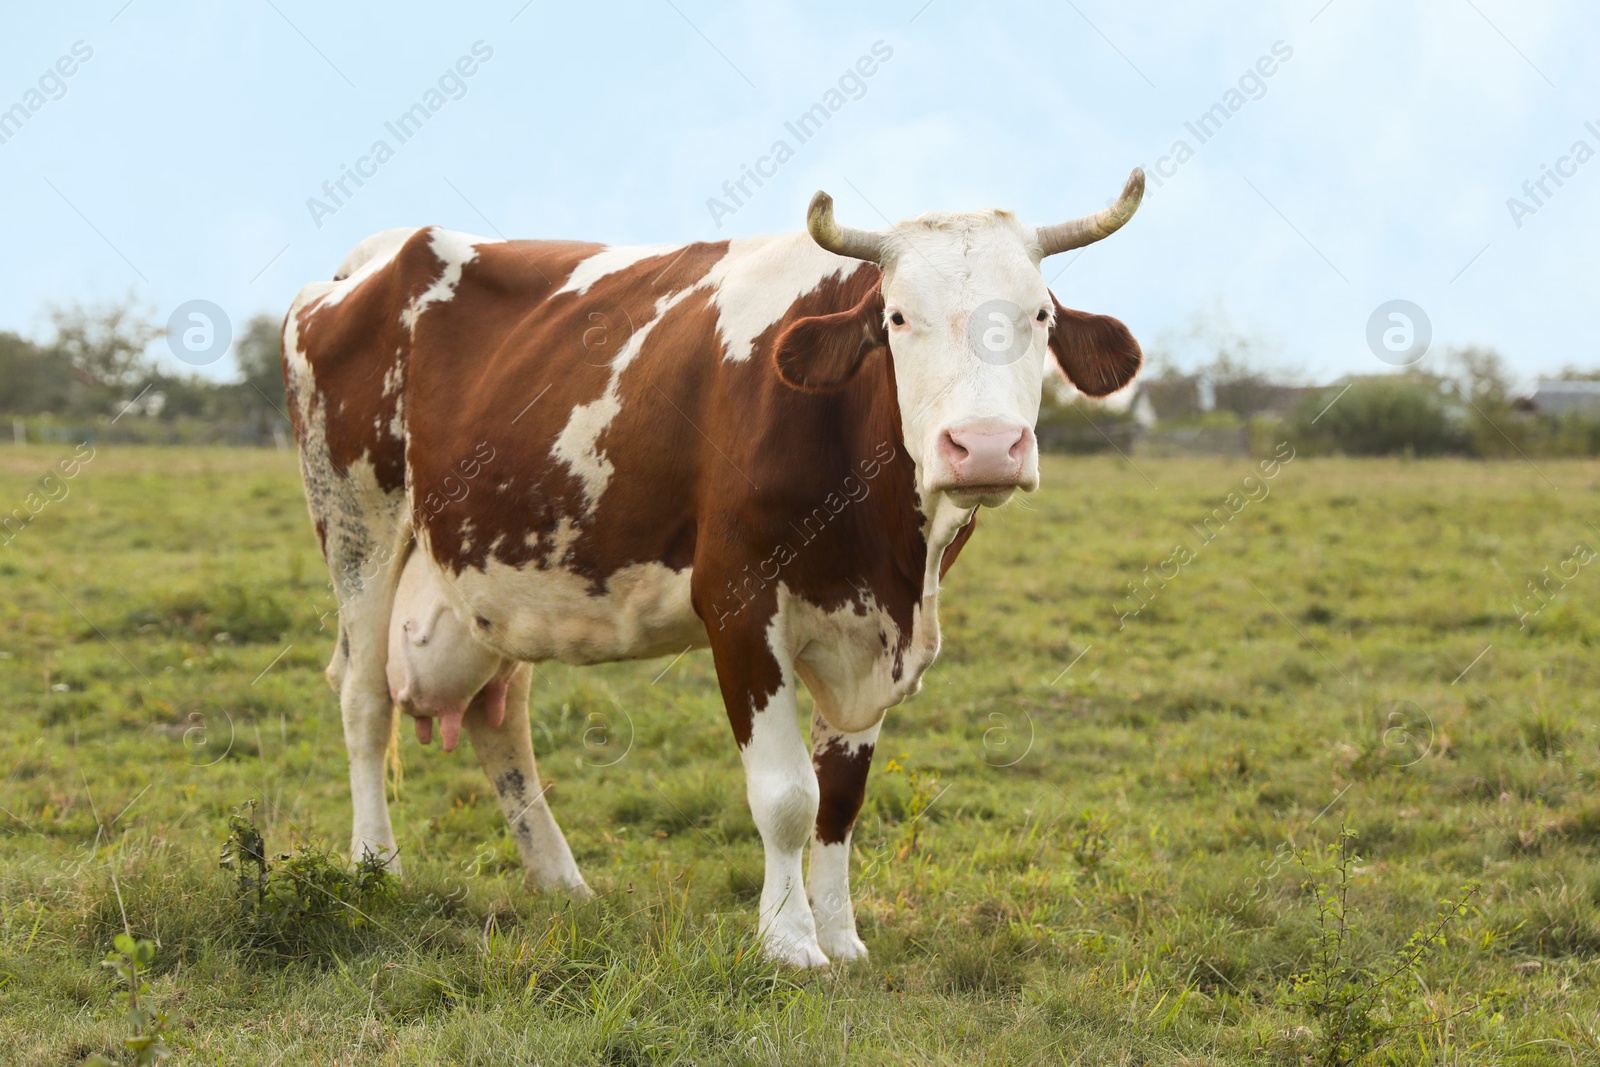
[1144, 412]
[1555, 396]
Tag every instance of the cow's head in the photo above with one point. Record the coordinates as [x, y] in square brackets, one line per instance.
[970, 325]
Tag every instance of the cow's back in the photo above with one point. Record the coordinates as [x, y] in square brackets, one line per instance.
[570, 422]
[585, 387]
[349, 344]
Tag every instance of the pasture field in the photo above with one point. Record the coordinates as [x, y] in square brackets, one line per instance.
[1089, 840]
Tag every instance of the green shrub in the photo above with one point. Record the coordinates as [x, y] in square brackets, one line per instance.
[1399, 415]
[130, 960]
[300, 904]
[1081, 428]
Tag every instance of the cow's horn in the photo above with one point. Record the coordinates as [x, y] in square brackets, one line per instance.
[842, 240]
[1091, 228]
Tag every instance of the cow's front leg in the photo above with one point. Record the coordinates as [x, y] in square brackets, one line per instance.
[783, 795]
[759, 691]
[842, 761]
[505, 751]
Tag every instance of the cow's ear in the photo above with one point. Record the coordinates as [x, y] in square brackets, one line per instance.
[1096, 352]
[825, 351]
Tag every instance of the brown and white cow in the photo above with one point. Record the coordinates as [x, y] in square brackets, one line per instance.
[771, 446]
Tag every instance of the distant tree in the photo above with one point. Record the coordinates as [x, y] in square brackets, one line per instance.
[98, 360]
[1480, 376]
[105, 344]
[259, 391]
[260, 365]
[32, 379]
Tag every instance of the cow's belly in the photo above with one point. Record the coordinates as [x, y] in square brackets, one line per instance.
[537, 614]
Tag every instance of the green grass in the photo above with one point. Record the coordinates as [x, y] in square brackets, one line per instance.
[1103, 875]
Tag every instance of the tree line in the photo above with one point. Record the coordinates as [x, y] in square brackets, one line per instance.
[1462, 402]
[97, 368]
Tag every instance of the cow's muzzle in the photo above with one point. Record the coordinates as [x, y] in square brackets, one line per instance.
[984, 462]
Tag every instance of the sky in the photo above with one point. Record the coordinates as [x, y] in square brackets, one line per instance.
[1359, 152]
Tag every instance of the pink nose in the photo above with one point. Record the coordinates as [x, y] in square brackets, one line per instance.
[985, 454]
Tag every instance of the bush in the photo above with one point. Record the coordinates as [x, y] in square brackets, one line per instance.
[1402, 415]
[301, 904]
[1079, 427]
[1563, 434]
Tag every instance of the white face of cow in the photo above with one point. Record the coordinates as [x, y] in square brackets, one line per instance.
[968, 317]
[971, 328]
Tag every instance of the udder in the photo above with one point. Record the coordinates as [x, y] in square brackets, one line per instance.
[435, 667]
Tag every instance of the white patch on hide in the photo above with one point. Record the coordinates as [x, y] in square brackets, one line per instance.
[578, 444]
[759, 280]
[456, 250]
[537, 614]
[609, 261]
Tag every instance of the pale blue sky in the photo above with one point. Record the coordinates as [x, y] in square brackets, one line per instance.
[1375, 164]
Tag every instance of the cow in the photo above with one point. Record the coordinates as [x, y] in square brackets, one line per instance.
[774, 447]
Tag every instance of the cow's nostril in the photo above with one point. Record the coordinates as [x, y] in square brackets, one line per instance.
[955, 449]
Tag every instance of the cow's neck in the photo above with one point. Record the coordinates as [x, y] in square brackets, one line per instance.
[923, 532]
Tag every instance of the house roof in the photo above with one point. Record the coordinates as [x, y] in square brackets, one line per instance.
[1556, 395]
[1564, 387]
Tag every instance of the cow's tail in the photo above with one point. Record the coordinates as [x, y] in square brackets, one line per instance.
[394, 771]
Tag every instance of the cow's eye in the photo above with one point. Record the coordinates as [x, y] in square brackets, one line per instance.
[898, 319]
[1043, 315]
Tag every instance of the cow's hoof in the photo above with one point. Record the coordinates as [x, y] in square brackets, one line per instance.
[578, 890]
[806, 954]
[842, 947]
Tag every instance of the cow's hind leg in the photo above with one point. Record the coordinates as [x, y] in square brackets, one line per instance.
[842, 761]
[358, 504]
[364, 539]
[368, 717]
[505, 751]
